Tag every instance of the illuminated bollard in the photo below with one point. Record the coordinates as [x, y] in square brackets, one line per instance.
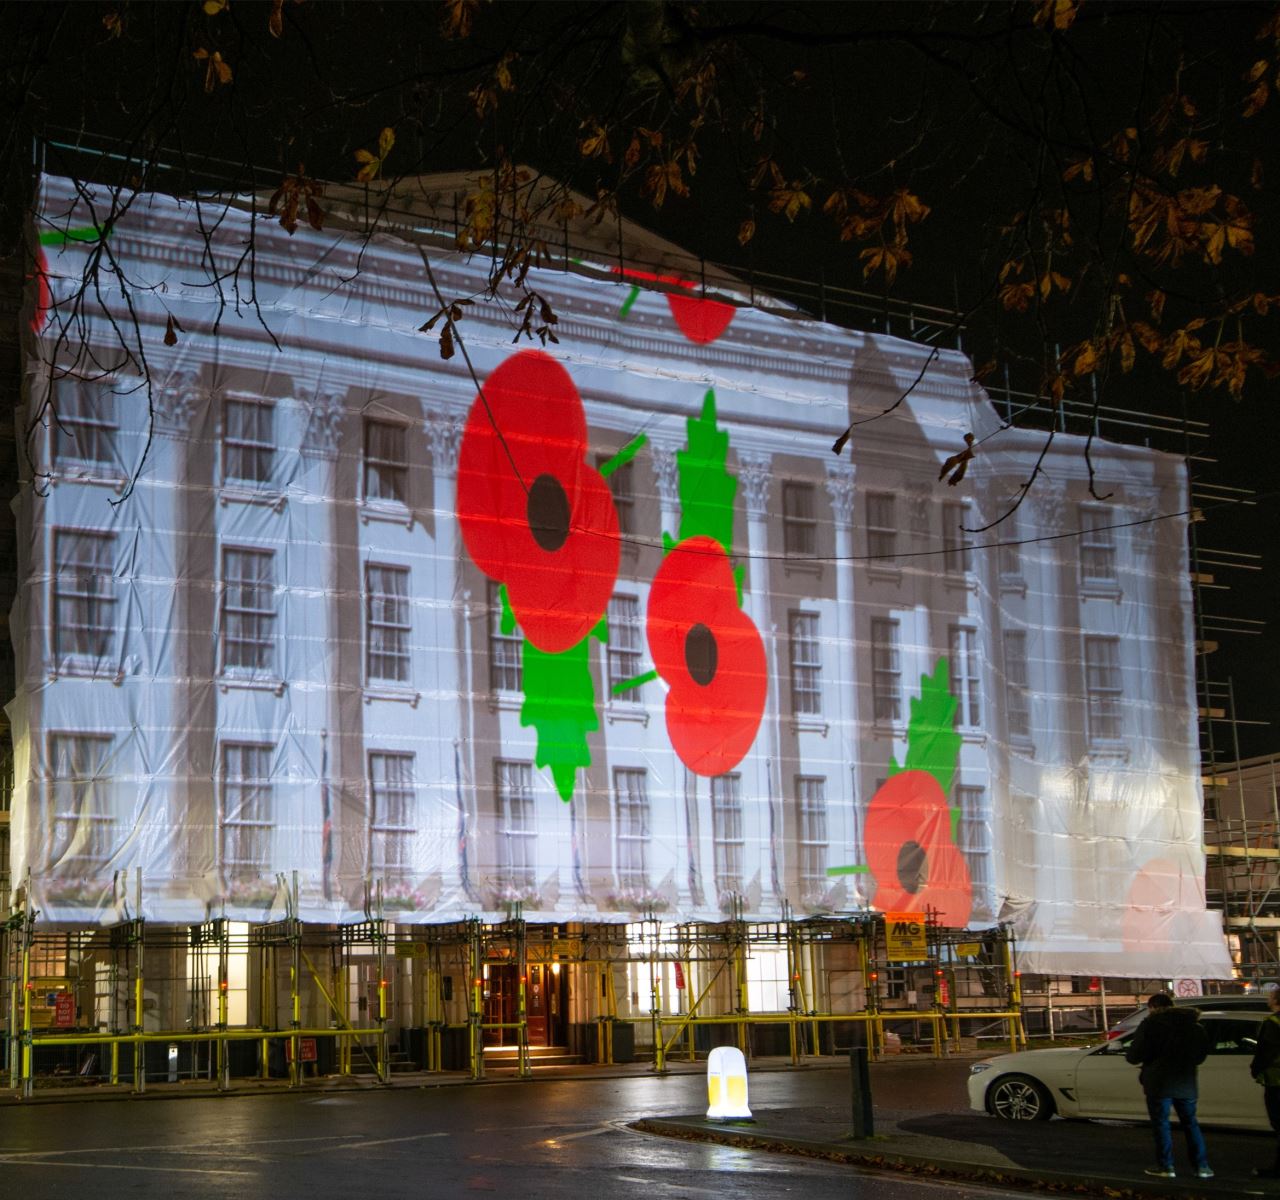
[727, 1085]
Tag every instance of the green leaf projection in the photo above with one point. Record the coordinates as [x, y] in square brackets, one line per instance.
[707, 490]
[933, 744]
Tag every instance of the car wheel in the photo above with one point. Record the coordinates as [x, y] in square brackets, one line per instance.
[1019, 1098]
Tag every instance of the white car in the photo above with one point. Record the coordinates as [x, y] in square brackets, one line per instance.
[1095, 1081]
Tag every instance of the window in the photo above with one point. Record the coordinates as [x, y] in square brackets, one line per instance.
[1097, 546]
[974, 836]
[882, 526]
[806, 665]
[726, 832]
[1009, 556]
[626, 646]
[957, 549]
[84, 594]
[768, 981]
[965, 686]
[391, 823]
[631, 800]
[515, 823]
[799, 520]
[80, 821]
[248, 441]
[1102, 688]
[387, 616]
[886, 671]
[386, 463]
[83, 427]
[811, 794]
[504, 647]
[248, 610]
[246, 819]
[621, 483]
[1231, 1037]
[1017, 697]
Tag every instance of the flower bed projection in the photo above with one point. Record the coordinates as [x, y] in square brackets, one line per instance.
[909, 835]
[542, 523]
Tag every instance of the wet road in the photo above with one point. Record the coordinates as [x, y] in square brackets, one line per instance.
[524, 1139]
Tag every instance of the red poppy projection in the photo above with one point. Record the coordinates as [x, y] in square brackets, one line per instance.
[701, 321]
[710, 654]
[534, 515]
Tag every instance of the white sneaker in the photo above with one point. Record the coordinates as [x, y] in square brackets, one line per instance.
[1162, 1172]
[1205, 1172]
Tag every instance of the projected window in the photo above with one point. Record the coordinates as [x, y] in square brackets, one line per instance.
[80, 822]
[1097, 546]
[83, 425]
[965, 685]
[626, 646]
[957, 549]
[811, 814]
[806, 665]
[386, 463]
[886, 671]
[391, 823]
[248, 441]
[1009, 554]
[621, 483]
[514, 798]
[387, 620]
[882, 526]
[504, 648]
[799, 520]
[248, 610]
[1017, 697]
[631, 807]
[246, 818]
[726, 832]
[84, 594]
[1103, 689]
[974, 835]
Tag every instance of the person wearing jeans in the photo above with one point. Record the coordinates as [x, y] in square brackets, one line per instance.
[1169, 1045]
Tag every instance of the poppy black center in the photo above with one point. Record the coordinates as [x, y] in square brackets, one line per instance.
[548, 513]
[912, 861]
[700, 654]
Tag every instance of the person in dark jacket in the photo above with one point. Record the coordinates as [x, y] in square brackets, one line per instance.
[1169, 1045]
[1265, 1068]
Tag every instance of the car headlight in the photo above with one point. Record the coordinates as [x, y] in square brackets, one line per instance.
[978, 1068]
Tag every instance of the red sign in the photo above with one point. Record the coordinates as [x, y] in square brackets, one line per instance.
[944, 992]
[679, 976]
[64, 1010]
[306, 1050]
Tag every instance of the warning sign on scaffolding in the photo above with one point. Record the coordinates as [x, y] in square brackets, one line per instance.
[411, 949]
[969, 949]
[64, 1010]
[904, 937]
[560, 948]
[679, 976]
[307, 1050]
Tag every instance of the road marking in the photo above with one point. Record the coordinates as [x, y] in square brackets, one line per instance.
[573, 1137]
[53, 1162]
[168, 1147]
[413, 1137]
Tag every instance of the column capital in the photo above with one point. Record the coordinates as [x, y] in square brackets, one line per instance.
[840, 490]
[919, 499]
[444, 433]
[755, 475]
[177, 400]
[324, 424]
[667, 472]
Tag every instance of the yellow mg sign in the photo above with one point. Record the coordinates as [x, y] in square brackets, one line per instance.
[904, 937]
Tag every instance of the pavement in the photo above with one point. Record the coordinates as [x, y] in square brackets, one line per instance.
[1085, 1158]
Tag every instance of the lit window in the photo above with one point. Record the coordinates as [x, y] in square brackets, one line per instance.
[80, 825]
[965, 686]
[886, 671]
[514, 796]
[248, 610]
[1102, 687]
[391, 817]
[1097, 546]
[811, 795]
[957, 549]
[248, 441]
[806, 665]
[799, 520]
[386, 463]
[1017, 696]
[504, 647]
[768, 984]
[726, 832]
[882, 526]
[246, 818]
[387, 613]
[626, 646]
[84, 594]
[83, 424]
[631, 799]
